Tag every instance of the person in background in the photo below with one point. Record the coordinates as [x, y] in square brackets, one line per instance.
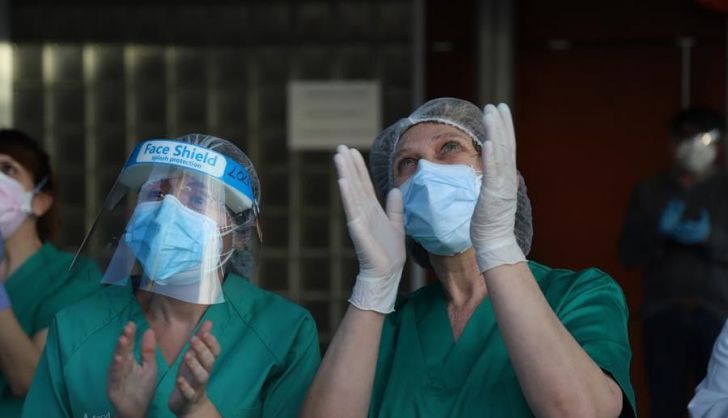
[35, 282]
[676, 228]
[496, 335]
[181, 330]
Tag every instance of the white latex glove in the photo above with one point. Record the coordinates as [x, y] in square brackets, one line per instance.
[491, 228]
[378, 237]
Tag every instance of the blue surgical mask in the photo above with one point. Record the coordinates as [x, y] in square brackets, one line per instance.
[169, 238]
[439, 200]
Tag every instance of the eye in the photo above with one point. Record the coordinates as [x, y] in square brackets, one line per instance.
[151, 193]
[450, 146]
[8, 169]
[198, 201]
[406, 165]
[154, 195]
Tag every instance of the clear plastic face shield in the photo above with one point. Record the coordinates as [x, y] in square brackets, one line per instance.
[169, 223]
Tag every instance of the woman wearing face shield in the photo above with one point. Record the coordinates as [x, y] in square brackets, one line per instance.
[180, 331]
[495, 335]
[34, 279]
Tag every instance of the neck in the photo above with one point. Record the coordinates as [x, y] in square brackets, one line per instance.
[172, 320]
[460, 276]
[166, 310]
[19, 246]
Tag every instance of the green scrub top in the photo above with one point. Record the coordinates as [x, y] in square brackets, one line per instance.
[269, 356]
[40, 288]
[421, 372]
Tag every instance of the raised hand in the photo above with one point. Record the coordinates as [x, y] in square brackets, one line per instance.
[491, 228]
[131, 385]
[378, 237]
[189, 395]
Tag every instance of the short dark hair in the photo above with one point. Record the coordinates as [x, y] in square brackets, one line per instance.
[694, 120]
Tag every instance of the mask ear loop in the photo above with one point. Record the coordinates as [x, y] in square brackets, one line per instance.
[27, 205]
[227, 258]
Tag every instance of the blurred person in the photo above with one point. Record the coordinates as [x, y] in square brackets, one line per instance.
[180, 331]
[676, 227]
[34, 278]
[496, 335]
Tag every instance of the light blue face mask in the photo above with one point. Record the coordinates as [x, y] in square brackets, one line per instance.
[439, 200]
[169, 238]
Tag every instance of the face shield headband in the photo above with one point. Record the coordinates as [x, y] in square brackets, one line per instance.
[239, 193]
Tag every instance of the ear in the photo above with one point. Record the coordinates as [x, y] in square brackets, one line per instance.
[42, 202]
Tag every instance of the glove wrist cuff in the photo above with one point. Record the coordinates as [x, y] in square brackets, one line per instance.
[376, 293]
[499, 253]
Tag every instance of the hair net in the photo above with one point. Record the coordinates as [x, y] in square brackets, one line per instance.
[462, 115]
[242, 261]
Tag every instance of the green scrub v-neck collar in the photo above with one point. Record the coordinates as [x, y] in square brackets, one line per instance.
[218, 313]
[447, 361]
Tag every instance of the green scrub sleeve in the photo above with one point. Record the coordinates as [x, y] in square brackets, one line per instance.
[85, 281]
[47, 396]
[284, 393]
[596, 316]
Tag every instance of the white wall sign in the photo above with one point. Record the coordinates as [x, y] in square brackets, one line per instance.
[324, 114]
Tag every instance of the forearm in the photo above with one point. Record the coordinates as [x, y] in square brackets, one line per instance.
[343, 384]
[19, 356]
[556, 375]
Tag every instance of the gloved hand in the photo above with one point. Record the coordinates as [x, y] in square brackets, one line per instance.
[491, 228]
[378, 237]
[670, 217]
[693, 231]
